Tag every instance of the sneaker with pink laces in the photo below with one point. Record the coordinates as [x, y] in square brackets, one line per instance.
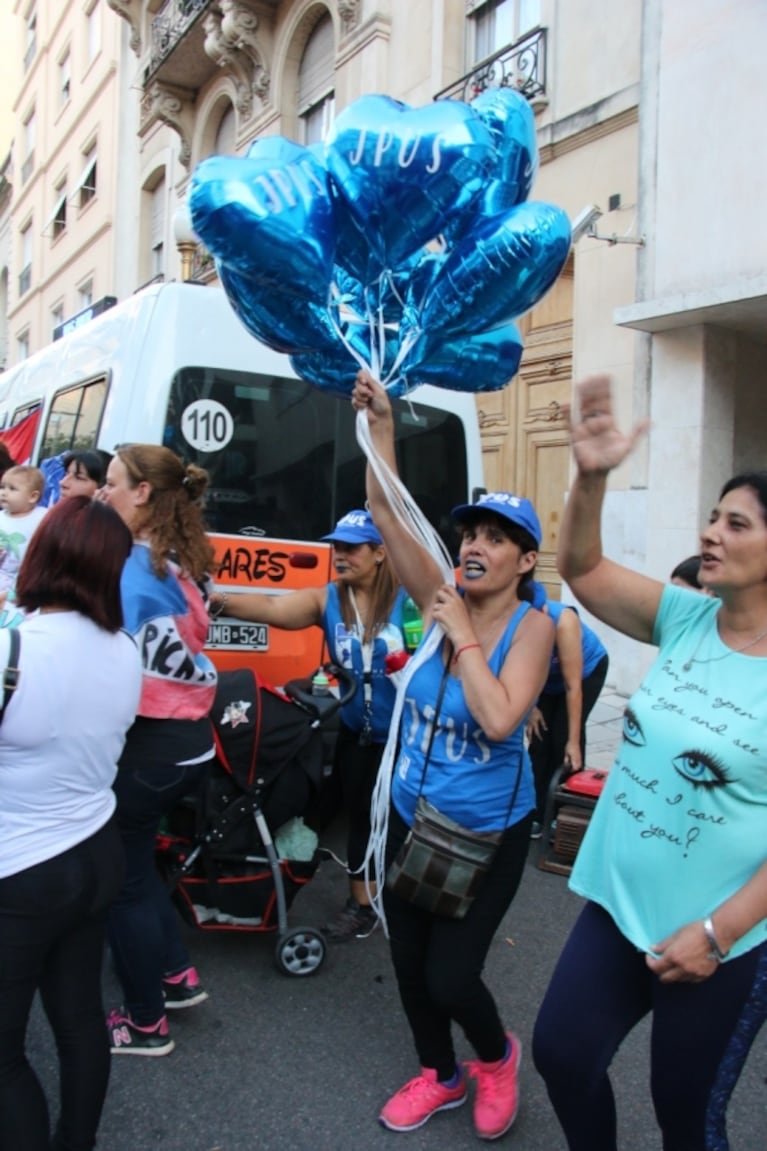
[421, 1098]
[497, 1097]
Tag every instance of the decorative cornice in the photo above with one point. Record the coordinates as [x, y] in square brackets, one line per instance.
[579, 138]
[173, 106]
[349, 11]
[231, 42]
[130, 12]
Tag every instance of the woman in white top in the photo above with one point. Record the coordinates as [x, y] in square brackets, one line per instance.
[61, 860]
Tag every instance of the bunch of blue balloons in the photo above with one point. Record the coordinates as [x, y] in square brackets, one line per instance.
[404, 244]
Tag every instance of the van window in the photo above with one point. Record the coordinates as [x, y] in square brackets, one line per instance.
[283, 458]
[74, 418]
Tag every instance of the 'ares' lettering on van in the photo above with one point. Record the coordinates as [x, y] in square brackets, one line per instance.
[253, 565]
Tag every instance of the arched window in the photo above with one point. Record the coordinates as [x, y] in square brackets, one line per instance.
[226, 135]
[316, 99]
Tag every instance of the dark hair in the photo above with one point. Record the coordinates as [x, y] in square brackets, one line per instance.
[518, 535]
[92, 461]
[757, 481]
[687, 570]
[74, 560]
[6, 459]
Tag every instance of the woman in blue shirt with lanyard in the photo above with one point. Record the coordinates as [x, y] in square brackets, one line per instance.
[360, 613]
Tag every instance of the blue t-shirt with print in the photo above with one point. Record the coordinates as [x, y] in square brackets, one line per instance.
[592, 647]
[469, 777]
[346, 650]
[680, 825]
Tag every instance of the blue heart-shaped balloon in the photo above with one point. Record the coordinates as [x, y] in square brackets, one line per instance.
[511, 122]
[466, 362]
[399, 173]
[499, 270]
[282, 321]
[269, 216]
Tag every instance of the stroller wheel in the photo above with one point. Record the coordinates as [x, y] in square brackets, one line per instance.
[300, 951]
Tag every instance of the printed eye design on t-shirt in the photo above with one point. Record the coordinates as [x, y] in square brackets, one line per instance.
[698, 767]
[632, 729]
[701, 769]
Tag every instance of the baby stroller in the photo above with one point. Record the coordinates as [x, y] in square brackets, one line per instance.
[218, 852]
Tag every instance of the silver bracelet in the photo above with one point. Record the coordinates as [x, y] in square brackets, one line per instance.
[713, 942]
[218, 610]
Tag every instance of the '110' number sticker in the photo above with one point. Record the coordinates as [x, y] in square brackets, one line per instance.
[207, 426]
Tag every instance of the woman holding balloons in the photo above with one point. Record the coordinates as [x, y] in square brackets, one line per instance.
[489, 671]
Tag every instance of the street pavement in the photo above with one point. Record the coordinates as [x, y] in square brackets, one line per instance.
[280, 1063]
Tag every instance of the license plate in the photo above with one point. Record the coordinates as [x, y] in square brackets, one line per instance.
[231, 635]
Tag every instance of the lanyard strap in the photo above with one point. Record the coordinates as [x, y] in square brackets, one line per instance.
[366, 648]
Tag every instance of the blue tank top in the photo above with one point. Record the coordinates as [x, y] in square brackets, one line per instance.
[593, 650]
[345, 647]
[468, 777]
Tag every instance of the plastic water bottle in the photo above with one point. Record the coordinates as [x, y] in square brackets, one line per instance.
[412, 624]
[320, 683]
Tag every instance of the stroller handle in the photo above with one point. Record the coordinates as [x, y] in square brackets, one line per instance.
[323, 707]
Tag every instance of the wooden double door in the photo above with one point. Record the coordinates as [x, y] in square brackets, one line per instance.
[525, 445]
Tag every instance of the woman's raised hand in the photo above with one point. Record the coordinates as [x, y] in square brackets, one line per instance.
[597, 442]
[368, 395]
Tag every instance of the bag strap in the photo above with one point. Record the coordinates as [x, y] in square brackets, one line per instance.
[437, 707]
[10, 680]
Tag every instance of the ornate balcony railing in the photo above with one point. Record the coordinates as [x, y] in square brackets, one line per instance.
[521, 66]
[169, 25]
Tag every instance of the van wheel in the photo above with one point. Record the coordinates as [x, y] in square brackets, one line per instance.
[300, 951]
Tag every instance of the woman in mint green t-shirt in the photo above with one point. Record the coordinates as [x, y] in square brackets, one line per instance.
[674, 863]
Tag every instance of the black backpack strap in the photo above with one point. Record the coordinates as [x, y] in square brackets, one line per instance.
[10, 679]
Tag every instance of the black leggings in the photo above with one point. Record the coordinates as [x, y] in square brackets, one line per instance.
[701, 1035]
[52, 938]
[438, 961]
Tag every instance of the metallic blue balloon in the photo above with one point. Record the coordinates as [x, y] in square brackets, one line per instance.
[268, 216]
[400, 173]
[334, 373]
[511, 121]
[476, 362]
[498, 270]
[280, 320]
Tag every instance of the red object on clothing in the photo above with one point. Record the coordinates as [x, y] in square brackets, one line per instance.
[20, 439]
[395, 661]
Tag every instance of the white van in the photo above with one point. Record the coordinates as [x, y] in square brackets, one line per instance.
[173, 365]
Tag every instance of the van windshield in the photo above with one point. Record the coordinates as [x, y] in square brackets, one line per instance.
[283, 459]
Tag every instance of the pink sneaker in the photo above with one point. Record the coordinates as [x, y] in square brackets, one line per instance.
[127, 1038]
[183, 990]
[497, 1098]
[419, 1099]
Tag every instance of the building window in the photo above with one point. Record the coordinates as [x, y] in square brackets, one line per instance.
[157, 230]
[56, 224]
[30, 132]
[65, 80]
[57, 317]
[85, 295]
[85, 189]
[225, 143]
[93, 32]
[498, 23]
[25, 276]
[316, 83]
[30, 46]
[22, 347]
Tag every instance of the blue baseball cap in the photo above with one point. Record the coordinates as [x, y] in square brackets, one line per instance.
[355, 527]
[516, 509]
